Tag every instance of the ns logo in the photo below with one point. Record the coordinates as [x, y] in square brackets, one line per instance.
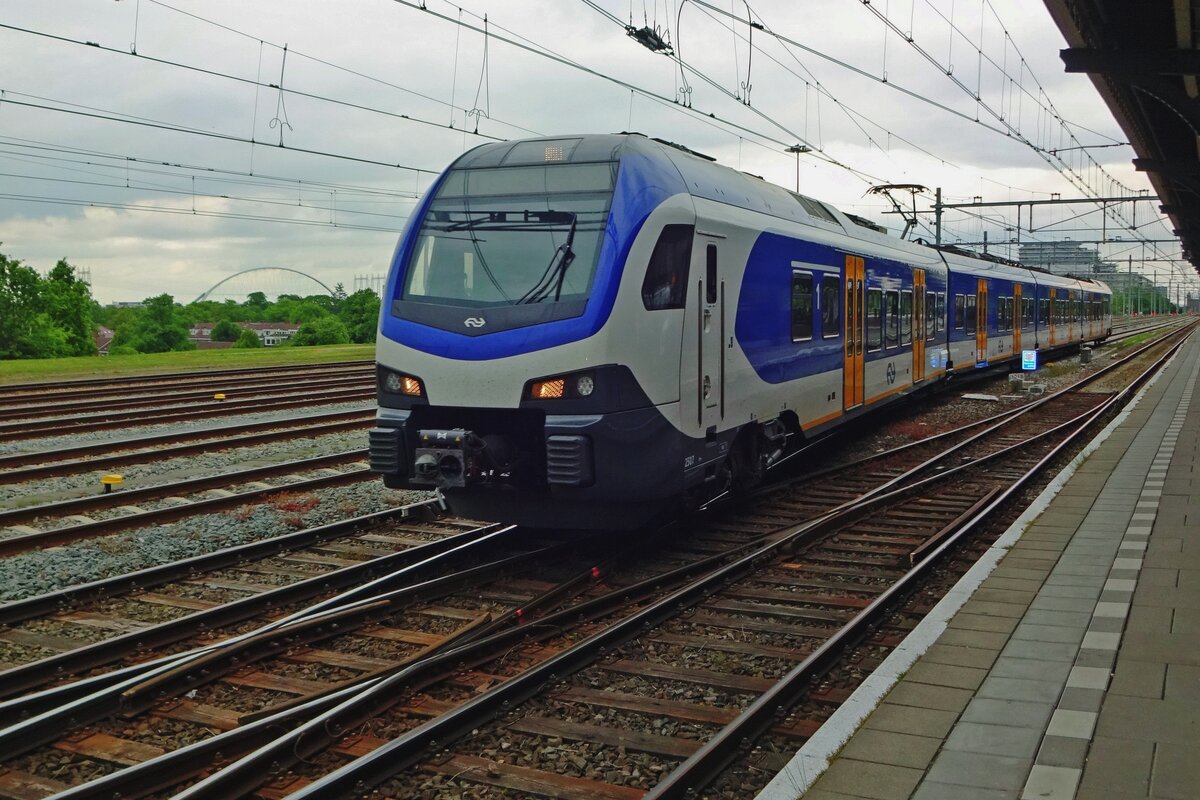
[474, 322]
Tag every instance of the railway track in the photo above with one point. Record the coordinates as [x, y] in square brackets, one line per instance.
[250, 482]
[126, 402]
[105, 387]
[809, 601]
[357, 391]
[28, 465]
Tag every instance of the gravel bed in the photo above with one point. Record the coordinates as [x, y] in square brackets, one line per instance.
[243, 699]
[21, 654]
[164, 732]
[85, 634]
[56, 568]
[374, 647]
[141, 612]
[137, 476]
[309, 671]
[117, 435]
[61, 766]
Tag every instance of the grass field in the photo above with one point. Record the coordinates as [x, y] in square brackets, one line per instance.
[61, 369]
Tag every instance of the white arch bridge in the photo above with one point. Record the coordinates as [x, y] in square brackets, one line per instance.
[209, 292]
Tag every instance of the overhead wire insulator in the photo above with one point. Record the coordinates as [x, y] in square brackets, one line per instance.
[651, 39]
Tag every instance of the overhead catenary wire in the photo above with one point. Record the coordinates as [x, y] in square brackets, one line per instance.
[257, 82]
[335, 66]
[112, 116]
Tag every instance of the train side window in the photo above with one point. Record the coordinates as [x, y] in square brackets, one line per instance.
[1026, 312]
[891, 330]
[710, 287]
[874, 319]
[930, 315]
[960, 311]
[906, 317]
[941, 312]
[802, 306]
[969, 314]
[665, 285]
[830, 301]
[1106, 306]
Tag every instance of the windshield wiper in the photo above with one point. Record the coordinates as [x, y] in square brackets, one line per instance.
[505, 220]
[556, 271]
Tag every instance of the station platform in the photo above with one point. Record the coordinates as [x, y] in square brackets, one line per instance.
[1066, 663]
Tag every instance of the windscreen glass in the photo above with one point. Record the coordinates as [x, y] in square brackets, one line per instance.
[511, 236]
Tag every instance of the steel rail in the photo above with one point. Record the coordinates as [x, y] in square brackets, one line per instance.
[151, 378]
[175, 399]
[132, 496]
[216, 438]
[262, 729]
[72, 423]
[699, 769]
[16, 431]
[39, 605]
[216, 383]
[57, 537]
[35, 719]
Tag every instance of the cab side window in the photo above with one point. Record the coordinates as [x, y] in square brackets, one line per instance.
[665, 285]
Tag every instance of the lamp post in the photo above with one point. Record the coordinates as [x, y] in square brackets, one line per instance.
[798, 149]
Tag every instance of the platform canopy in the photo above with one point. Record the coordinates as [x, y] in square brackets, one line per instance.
[1142, 57]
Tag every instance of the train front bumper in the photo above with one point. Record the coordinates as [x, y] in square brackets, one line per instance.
[578, 470]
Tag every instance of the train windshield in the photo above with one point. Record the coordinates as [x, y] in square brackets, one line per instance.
[512, 236]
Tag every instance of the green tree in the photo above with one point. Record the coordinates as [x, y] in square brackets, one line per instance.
[360, 314]
[225, 331]
[257, 300]
[248, 338]
[19, 290]
[68, 303]
[326, 330]
[158, 328]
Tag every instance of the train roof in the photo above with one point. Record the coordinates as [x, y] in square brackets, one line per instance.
[705, 178]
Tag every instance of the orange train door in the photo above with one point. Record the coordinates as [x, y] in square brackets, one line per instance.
[852, 368]
[981, 318]
[918, 326]
[1053, 313]
[1018, 318]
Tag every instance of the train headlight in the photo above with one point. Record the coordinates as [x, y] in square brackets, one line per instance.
[548, 390]
[403, 384]
[571, 386]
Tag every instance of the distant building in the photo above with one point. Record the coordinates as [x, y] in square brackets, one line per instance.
[271, 333]
[1063, 258]
[127, 304]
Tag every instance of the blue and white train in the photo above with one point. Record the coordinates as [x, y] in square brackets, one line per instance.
[589, 331]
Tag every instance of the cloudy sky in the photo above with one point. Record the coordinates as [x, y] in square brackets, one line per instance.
[149, 141]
